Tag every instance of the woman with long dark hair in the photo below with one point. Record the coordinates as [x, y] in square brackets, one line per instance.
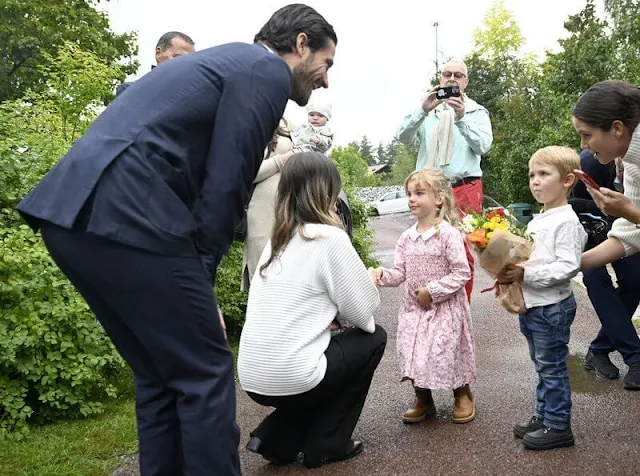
[309, 273]
[607, 117]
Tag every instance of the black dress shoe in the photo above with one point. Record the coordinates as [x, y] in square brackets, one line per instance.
[354, 449]
[255, 446]
[632, 379]
[547, 438]
[528, 426]
[601, 364]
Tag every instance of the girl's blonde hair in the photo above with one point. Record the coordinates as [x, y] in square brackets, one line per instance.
[439, 185]
[307, 193]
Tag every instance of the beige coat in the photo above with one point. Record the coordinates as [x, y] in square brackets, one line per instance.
[261, 211]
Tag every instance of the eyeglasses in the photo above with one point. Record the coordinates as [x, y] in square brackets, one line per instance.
[448, 74]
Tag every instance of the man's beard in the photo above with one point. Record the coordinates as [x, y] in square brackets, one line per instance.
[300, 91]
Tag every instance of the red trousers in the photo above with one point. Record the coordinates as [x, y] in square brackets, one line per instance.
[469, 198]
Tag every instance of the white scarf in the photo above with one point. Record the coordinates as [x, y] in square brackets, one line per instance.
[441, 142]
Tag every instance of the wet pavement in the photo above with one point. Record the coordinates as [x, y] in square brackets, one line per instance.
[606, 418]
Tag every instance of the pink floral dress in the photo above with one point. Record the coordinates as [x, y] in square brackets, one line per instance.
[435, 345]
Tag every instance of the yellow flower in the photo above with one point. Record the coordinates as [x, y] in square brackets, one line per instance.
[495, 219]
[489, 235]
[490, 225]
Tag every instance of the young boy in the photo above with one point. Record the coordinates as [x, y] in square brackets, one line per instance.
[546, 285]
[315, 135]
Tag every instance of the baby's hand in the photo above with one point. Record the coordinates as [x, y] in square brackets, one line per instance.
[424, 297]
[376, 275]
[314, 139]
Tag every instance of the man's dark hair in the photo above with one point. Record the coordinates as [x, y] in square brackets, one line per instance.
[165, 40]
[283, 28]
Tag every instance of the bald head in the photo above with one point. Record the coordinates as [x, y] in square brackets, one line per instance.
[455, 73]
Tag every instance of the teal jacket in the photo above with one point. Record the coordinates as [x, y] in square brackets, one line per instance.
[472, 138]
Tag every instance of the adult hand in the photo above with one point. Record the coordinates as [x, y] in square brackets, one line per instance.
[376, 275]
[424, 297]
[457, 103]
[287, 155]
[224, 326]
[431, 101]
[614, 203]
[511, 273]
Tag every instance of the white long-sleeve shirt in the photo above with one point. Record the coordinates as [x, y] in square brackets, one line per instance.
[559, 240]
[290, 310]
[622, 229]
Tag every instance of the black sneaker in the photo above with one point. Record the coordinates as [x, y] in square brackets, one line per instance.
[525, 427]
[632, 379]
[547, 438]
[602, 365]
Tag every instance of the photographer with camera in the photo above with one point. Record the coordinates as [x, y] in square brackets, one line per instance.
[454, 132]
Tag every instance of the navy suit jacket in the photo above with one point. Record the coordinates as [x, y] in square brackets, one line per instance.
[169, 164]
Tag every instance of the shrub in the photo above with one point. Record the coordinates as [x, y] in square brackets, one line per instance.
[55, 360]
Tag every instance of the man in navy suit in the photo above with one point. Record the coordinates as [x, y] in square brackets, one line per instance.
[143, 207]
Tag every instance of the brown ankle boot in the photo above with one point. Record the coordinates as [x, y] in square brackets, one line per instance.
[464, 409]
[423, 407]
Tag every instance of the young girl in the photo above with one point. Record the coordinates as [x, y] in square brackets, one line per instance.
[434, 343]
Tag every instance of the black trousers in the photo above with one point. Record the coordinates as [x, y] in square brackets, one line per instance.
[161, 314]
[320, 422]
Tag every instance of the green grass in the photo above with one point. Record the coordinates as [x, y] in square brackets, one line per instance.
[89, 447]
[80, 447]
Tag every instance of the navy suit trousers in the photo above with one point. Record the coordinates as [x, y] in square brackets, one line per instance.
[161, 314]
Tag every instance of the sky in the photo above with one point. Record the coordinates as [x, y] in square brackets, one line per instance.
[385, 54]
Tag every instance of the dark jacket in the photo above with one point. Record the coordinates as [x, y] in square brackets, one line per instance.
[168, 166]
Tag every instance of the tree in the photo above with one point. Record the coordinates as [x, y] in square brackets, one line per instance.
[625, 16]
[405, 164]
[32, 29]
[366, 151]
[352, 167]
[499, 36]
[381, 154]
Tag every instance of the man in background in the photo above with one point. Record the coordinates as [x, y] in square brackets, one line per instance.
[170, 45]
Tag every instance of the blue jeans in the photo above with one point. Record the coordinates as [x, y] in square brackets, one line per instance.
[547, 331]
[615, 307]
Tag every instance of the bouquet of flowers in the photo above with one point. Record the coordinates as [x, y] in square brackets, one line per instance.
[499, 240]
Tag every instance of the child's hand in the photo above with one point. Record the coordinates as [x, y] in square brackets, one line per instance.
[376, 275]
[424, 297]
[314, 139]
[511, 273]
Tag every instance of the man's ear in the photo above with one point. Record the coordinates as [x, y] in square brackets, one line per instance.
[158, 53]
[302, 43]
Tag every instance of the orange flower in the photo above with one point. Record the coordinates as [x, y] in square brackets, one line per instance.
[478, 238]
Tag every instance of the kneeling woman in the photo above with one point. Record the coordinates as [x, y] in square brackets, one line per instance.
[309, 273]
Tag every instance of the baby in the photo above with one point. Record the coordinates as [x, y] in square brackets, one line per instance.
[314, 136]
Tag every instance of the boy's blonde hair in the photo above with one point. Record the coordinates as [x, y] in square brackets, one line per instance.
[564, 159]
[439, 184]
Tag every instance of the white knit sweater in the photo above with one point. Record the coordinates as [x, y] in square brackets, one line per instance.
[290, 310]
[622, 229]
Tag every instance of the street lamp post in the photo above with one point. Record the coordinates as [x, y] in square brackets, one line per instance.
[435, 25]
